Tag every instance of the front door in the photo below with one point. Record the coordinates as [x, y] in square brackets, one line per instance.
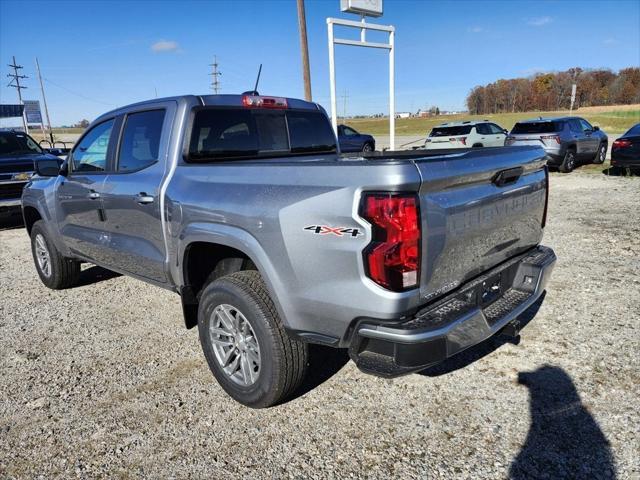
[132, 194]
[79, 194]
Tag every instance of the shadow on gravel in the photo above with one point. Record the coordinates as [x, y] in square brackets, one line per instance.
[324, 363]
[95, 274]
[475, 353]
[564, 440]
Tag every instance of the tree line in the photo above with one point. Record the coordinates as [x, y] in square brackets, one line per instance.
[552, 91]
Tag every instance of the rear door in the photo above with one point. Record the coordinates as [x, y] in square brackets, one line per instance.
[79, 194]
[132, 198]
[577, 132]
[591, 141]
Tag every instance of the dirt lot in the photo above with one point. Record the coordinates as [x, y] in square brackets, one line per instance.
[103, 380]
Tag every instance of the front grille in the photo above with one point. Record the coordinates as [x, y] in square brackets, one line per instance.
[11, 190]
[14, 167]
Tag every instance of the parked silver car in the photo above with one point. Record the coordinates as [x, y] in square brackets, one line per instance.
[567, 141]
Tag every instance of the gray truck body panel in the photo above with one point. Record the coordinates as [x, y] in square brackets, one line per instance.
[261, 207]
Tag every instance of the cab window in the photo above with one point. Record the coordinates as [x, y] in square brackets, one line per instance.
[585, 125]
[140, 144]
[91, 153]
[349, 132]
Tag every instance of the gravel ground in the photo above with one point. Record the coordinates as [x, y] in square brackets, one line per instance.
[104, 381]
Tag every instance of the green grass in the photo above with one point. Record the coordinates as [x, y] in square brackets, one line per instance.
[610, 122]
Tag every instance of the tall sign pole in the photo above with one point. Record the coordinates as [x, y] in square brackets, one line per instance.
[573, 97]
[15, 83]
[304, 50]
[44, 100]
[372, 8]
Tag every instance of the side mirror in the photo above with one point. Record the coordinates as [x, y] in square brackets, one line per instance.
[506, 132]
[595, 129]
[48, 168]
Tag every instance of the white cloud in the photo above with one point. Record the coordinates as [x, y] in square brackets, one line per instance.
[476, 29]
[610, 41]
[539, 21]
[165, 46]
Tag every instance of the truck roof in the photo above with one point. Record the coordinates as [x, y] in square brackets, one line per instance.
[224, 100]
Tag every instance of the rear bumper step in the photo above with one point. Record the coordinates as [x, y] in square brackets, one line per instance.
[466, 317]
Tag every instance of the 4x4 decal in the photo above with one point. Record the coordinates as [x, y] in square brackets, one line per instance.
[339, 231]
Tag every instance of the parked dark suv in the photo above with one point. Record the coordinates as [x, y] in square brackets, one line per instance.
[568, 141]
[352, 141]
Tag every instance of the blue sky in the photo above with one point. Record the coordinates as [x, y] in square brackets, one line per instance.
[106, 54]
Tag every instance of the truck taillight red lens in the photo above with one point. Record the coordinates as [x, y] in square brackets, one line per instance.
[258, 101]
[392, 259]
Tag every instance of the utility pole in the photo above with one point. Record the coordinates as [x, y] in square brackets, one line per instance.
[15, 83]
[304, 49]
[345, 95]
[215, 83]
[44, 100]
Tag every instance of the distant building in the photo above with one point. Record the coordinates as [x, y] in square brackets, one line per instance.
[403, 114]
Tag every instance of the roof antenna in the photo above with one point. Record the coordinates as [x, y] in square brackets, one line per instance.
[255, 89]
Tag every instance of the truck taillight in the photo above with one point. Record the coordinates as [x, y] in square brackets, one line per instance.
[258, 101]
[392, 259]
[546, 196]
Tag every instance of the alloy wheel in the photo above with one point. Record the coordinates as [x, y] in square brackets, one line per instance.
[42, 255]
[235, 345]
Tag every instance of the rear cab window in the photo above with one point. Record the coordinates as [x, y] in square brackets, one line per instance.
[228, 133]
[140, 144]
[537, 127]
[451, 131]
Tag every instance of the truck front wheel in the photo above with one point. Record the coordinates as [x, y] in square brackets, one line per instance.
[245, 343]
[55, 271]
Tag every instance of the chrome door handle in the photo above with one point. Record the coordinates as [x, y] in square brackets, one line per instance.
[144, 199]
[93, 195]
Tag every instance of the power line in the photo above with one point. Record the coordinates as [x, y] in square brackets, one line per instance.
[15, 83]
[215, 73]
[77, 94]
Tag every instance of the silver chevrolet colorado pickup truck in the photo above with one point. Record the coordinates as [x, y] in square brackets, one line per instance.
[243, 205]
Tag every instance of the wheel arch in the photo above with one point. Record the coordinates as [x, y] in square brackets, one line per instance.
[30, 215]
[210, 251]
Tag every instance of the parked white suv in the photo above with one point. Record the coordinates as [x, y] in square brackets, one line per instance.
[465, 135]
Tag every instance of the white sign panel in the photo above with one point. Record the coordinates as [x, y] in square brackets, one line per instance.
[32, 111]
[369, 8]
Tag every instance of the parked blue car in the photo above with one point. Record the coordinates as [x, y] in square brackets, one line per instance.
[352, 141]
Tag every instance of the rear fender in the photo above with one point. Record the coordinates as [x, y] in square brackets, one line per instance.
[243, 241]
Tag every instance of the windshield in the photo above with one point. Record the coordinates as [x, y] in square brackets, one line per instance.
[537, 127]
[241, 133]
[450, 131]
[12, 143]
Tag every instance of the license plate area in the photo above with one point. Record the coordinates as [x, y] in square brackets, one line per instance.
[490, 290]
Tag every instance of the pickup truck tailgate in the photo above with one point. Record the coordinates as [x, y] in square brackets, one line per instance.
[475, 217]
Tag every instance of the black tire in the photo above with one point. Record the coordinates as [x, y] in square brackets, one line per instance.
[569, 161]
[367, 147]
[283, 360]
[63, 272]
[601, 154]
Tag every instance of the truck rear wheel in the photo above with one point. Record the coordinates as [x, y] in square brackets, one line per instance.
[245, 343]
[55, 271]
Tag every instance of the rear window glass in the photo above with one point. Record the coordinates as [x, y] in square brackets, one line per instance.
[450, 131]
[635, 130]
[537, 127]
[232, 133]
